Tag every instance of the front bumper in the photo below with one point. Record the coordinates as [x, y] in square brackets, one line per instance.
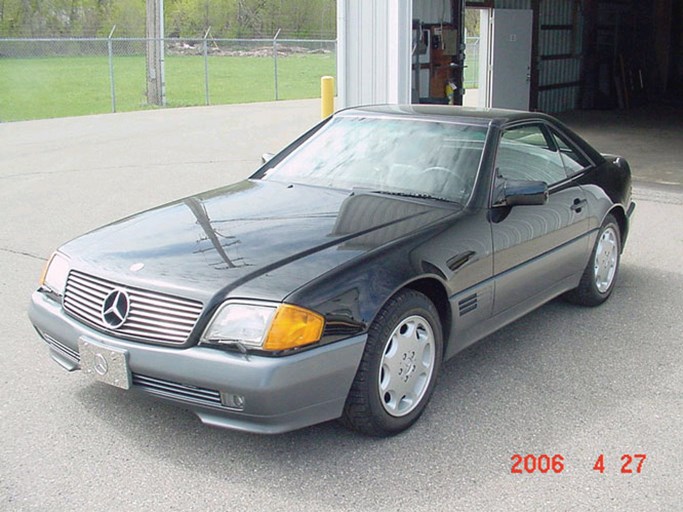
[280, 393]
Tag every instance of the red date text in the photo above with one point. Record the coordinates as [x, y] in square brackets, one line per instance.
[532, 463]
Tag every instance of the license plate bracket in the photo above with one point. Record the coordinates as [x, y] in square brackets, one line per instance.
[105, 364]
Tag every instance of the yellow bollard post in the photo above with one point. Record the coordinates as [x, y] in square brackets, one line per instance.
[327, 96]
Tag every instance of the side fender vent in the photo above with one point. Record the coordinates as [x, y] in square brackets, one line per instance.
[468, 304]
[459, 260]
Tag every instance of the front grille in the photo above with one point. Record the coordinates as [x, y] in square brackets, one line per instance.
[153, 316]
[183, 392]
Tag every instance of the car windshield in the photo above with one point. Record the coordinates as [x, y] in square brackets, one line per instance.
[395, 156]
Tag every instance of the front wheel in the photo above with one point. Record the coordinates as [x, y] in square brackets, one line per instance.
[600, 275]
[399, 367]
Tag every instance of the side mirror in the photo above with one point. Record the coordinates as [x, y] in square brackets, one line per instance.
[522, 192]
[266, 157]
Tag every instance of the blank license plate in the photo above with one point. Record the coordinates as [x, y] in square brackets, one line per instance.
[106, 364]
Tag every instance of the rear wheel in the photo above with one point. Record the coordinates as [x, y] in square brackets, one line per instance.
[399, 367]
[600, 275]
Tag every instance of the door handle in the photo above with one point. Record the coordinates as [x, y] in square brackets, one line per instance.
[578, 205]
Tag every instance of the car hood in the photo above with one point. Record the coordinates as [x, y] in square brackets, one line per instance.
[219, 241]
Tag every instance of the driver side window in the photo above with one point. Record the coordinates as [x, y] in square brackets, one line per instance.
[525, 153]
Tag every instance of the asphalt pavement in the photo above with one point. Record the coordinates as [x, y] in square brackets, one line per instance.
[563, 381]
[649, 137]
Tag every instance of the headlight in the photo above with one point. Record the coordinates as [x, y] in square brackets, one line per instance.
[265, 327]
[55, 273]
[243, 323]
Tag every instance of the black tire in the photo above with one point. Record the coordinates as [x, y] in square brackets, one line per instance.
[600, 275]
[390, 393]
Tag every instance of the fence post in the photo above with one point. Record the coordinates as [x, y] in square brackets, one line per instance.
[206, 67]
[275, 61]
[111, 70]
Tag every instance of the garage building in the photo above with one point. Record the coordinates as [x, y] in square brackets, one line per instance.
[548, 55]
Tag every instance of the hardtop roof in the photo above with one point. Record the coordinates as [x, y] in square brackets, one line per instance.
[447, 112]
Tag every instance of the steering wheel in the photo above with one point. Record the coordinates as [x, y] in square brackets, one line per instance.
[449, 179]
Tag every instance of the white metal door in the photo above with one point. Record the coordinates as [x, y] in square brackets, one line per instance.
[510, 59]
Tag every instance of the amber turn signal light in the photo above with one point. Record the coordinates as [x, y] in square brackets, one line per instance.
[293, 327]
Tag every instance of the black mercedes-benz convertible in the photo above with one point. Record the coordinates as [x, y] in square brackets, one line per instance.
[335, 281]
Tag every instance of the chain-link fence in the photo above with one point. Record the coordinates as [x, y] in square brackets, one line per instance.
[42, 78]
[471, 79]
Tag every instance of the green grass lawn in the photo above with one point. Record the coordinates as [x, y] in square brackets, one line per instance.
[69, 86]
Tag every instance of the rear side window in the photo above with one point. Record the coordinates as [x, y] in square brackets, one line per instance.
[572, 157]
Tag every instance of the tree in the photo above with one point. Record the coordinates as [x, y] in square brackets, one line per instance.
[183, 18]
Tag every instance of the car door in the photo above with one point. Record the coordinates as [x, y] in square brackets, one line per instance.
[538, 249]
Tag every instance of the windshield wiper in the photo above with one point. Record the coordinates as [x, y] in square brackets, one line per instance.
[402, 194]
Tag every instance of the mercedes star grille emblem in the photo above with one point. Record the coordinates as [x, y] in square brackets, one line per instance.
[115, 308]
